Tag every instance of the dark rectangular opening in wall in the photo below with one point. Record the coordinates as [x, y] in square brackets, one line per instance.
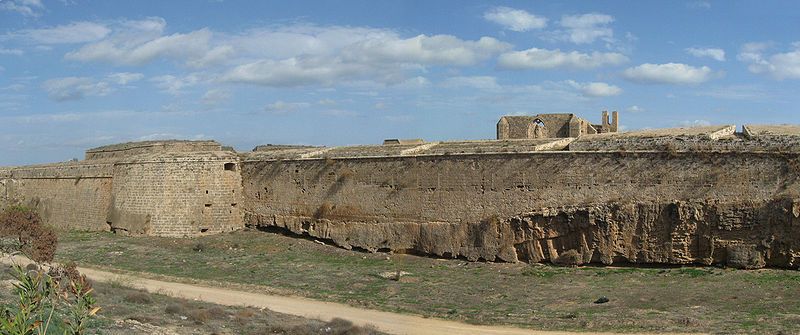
[203, 230]
[208, 205]
[230, 166]
[233, 205]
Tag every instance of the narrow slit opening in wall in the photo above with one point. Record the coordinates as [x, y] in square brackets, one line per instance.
[203, 230]
[208, 205]
[230, 166]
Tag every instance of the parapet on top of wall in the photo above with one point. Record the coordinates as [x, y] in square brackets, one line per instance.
[121, 150]
[679, 139]
[423, 149]
[276, 147]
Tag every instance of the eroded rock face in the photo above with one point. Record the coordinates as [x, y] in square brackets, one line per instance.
[741, 234]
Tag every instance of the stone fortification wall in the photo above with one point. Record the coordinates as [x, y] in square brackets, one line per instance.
[183, 194]
[619, 206]
[122, 150]
[66, 195]
[165, 188]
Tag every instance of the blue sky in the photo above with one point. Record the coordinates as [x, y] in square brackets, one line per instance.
[75, 74]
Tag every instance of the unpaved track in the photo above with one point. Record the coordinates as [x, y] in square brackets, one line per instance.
[392, 323]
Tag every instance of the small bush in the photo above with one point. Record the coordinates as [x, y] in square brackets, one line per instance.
[200, 315]
[217, 312]
[570, 257]
[243, 316]
[142, 298]
[199, 246]
[339, 326]
[21, 229]
[174, 309]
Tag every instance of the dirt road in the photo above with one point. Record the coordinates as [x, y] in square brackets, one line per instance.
[387, 322]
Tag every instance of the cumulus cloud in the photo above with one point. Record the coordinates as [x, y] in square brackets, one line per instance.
[670, 73]
[635, 109]
[31, 8]
[175, 85]
[699, 5]
[549, 59]
[76, 32]
[779, 66]
[13, 52]
[713, 53]
[586, 28]
[215, 96]
[307, 54]
[383, 58]
[515, 19]
[74, 88]
[339, 113]
[281, 107]
[694, 123]
[477, 82]
[123, 78]
[595, 89]
[191, 47]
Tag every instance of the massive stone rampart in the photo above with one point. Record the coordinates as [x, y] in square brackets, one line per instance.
[163, 188]
[610, 206]
[677, 196]
[67, 195]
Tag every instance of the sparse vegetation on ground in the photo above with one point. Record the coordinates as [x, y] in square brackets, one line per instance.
[689, 299]
[47, 298]
[129, 311]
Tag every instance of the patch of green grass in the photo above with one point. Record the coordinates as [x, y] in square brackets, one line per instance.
[641, 299]
[695, 272]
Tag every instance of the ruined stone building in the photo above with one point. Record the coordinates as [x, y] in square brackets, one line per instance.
[717, 194]
[553, 126]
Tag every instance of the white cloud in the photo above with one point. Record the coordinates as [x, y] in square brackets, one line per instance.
[586, 28]
[779, 66]
[192, 47]
[123, 78]
[327, 102]
[413, 83]
[699, 5]
[595, 89]
[515, 19]
[24, 7]
[76, 32]
[535, 58]
[694, 123]
[485, 83]
[14, 52]
[215, 96]
[175, 85]
[339, 113]
[13, 87]
[424, 50]
[713, 53]
[635, 109]
[739, 92]
[670, 73]
[280, 107]
[384, 58]
[74, 88]
[308, 55]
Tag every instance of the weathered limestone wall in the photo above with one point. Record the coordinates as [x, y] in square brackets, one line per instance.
[177, 194]
[66, 195]
[474, 205]
[122, 150]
